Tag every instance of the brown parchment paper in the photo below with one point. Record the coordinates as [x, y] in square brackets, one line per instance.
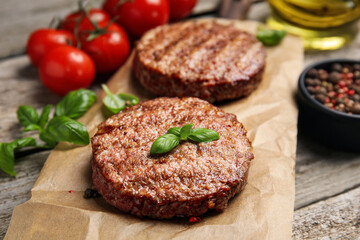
[263, 210]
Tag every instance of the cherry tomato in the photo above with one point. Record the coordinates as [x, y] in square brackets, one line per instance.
[98, 16]
[110, 7]
[108, 50]
[181, 8]
[138, 16]
[42, 40]
[66, 68]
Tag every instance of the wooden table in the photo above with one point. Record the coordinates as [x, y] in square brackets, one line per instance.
[327, 201]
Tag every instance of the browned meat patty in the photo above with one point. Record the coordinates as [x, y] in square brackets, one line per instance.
[201, 58]
[191, 179]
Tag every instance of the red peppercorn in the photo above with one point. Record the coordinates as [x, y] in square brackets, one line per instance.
[341, 83]
[350, 75]
[194, 219]
[350, 92]
[340, 95]
[327, 100]
[345, 89]
[349, 81]
[332, 94]
[333, 101]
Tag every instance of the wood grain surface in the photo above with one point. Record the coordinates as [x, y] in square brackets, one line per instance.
[327, 181]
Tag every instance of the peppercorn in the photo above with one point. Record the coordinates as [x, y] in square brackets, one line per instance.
[336, 67]
[357, 74]
[356, 67]
[323, 75]
[356, 108]
[91, 193]
[320, 97]
[312, 73]
[334, 77]
[338, 89]
[310, 82]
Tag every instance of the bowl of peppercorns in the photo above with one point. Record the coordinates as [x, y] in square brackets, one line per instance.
[329, 103]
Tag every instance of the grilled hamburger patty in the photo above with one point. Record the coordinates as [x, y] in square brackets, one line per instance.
[200, 58]
[191, 179]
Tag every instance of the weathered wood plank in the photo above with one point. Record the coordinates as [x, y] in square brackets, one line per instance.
[19, 18]
[335, 218]
[322, 172]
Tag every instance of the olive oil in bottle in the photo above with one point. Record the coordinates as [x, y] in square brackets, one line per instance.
[323, 24]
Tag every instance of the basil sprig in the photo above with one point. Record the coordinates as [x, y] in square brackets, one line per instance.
[62, 127]
[7, 158]
[270, 37]
[172, 138]
[75, 103]
[114, 103]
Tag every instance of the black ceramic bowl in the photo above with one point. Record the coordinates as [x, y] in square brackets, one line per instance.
[333, 128]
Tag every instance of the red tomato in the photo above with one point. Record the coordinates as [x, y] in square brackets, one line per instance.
[43, 40]
[138, 16]
[108, 50]
[66, 68]
[180, 8]
[110, 7]
[96, 15]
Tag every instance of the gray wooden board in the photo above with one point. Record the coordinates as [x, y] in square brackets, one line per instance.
[325, 179]
[335, 218]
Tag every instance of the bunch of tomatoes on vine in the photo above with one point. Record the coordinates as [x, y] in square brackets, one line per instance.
[97, 41]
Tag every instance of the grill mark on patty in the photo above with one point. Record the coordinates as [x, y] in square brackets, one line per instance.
[160, 40]
[189, 32]
[248, 63]
[222, 64]
[185, 46]
[188, 48]
[199, 60]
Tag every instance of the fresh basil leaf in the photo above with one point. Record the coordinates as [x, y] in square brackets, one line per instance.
[175, 131]
[129, 99]
[203, 135]
[44, 116]
[113, 102]
[75, 103]
[48, 139]
[31, 127]
[63, 128]
[7, 158]
[164, 143]
[24, 142]
[185, 130]
[270, 37]
[27, 115]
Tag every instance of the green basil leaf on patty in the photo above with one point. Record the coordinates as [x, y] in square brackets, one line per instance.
[164, 143]
[203, 135]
